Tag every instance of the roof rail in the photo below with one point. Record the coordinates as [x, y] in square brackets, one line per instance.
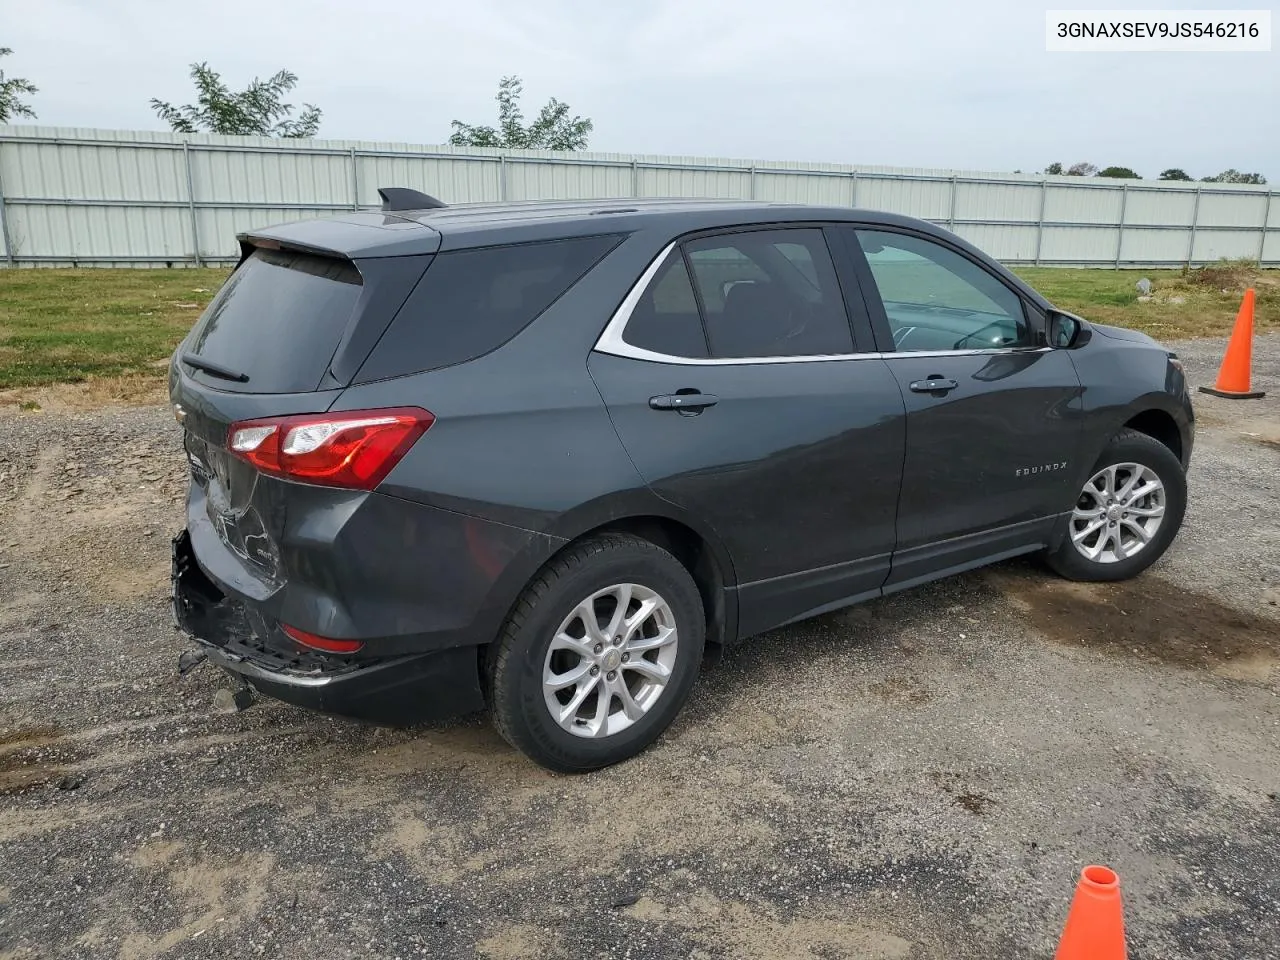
[402, 198]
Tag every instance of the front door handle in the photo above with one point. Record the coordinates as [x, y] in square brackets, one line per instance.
[933, 385]
[683, 401]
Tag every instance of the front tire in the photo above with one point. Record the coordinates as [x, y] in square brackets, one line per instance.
[1127, 513]
[598, 656]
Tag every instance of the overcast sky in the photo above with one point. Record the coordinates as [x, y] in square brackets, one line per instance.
[930, 83]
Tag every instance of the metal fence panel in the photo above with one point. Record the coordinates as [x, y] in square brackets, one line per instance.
[1213, 245]
[1005, 242]
[53, 171]
[453, 181]
[270, 177]
[692, 182]
[79, 233]
[926, 199]
[1271, 253]
[831, 190]
[1009, 202]
[1161, 208]
[1219, 210]
[1150, 245]
[115, 197]
[1083, 204]
[1079, 245]
[563, 181]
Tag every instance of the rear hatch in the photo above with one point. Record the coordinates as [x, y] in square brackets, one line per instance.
[282, 337]
[292, 328]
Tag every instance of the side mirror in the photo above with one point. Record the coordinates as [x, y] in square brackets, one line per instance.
[1067, 331]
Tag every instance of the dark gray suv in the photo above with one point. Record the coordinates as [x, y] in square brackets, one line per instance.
[540, 456]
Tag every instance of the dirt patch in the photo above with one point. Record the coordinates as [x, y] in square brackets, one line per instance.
[964, 796]
[902, 690]
[36, 757]
[211, 894]
[28, 737]
[93, 394]
[513, 943]
[1262, 430]
[740, 931]
[974, 802]
[1147, 617]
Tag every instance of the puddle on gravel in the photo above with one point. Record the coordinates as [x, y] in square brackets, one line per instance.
[1148, 617]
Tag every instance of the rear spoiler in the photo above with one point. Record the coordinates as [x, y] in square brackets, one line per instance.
[352, 236]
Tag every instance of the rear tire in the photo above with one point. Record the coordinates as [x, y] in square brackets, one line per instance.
[574, 695]
[1126, 515]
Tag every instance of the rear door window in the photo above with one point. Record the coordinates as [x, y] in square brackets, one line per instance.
[770, 293]
[277, 320]
[755, 294]
[470, 302]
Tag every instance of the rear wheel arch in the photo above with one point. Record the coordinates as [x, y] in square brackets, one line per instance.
[696, 554]
[706, 560]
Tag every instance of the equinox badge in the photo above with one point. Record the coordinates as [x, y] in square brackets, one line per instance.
[1042, 468]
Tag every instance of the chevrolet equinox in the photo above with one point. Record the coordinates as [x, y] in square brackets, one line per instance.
[538, 456]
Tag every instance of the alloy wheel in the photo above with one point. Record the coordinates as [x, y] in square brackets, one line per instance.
[1118, 512]
[610, 660]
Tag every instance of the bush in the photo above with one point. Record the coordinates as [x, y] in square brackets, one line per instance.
[1224, 275]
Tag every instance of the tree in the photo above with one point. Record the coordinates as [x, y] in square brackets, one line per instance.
[10, 89]
[1081, 170]
[1122, 173]
[1054, 168]
[255, 111]
[1235, 176]
[554, 129]
[1173, 173]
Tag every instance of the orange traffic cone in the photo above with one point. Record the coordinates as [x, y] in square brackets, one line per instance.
[1095, 924]
[1233, 377]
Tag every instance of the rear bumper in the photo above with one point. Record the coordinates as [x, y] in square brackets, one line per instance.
[395, 689]
[402, 576]
[400, 692]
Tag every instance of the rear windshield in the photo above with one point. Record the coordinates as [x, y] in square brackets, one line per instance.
[277, 320]
[471, 302]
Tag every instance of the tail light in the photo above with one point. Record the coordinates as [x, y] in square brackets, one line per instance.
[324, 644]
[355, 449]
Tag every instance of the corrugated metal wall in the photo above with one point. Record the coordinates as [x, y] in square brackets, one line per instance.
[103, 197]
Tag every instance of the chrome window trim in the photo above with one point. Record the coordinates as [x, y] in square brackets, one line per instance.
[611, 340]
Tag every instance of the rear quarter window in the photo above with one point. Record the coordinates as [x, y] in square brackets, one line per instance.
[470, 302]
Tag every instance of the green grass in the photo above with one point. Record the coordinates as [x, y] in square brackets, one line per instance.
[61, 326]
[1191, 306]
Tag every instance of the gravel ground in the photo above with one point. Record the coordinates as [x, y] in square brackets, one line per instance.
[917, 777]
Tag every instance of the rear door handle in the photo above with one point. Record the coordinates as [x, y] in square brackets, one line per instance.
[683, 401]
[933, 385]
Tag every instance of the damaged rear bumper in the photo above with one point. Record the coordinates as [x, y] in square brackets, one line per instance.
[393, 690]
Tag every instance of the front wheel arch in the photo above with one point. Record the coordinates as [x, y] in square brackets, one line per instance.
[1158, 425]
